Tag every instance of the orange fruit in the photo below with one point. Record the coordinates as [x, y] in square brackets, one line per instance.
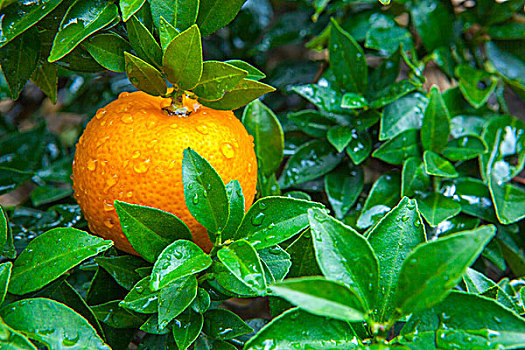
[132, 151]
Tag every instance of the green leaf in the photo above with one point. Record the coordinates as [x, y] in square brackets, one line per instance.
[214, 15]
[415, 180]
[505, 63]
[204, 193]
[263, 125]
[179, 259]
[187, 11]
[323, 97]
[227, 284]
[144, 76]
[392, 239]
[431, 271]
[352, 100]
[392, 93]
[343, 186]
[386, 36]
[434, 23]
[202, 301]
[150, 230]
[4, 228]
[253, 73]
[340, 136]
[182, 60]
[348, 60]
[241, 259]
[438, 166]
[310, 161]
[272, 220]
[5, 275]
[465, 125]
[469, 81]
[386, 74]
[108, 50]
[52, 254]
[141, 298]
[21, 16]
[244, 92]
[167, 32]
[81, 20]
[287, 332]
[360, 147]
[15, 340]
[345, 256]
[114, 316]
[46, 78]
[464, 148]
[236, 200]
[436, 124]
[384, 195]
[502, 328]
[129, 7]
[143, 42]
[322, 297]
[175, 297]
[187, 329]
[19, 59]
[509, 200]
[436, 208]
[400, 147]
[217, 78]
[224, 324]
[276, 263]
[51, 323]
[122, 268]
[401, 115]
[302, 254]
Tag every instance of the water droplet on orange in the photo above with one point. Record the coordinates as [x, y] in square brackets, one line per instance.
[151, 124]
[135, 155]
[142, 167]
[109, 222]
[227, 150]
[172, 164]
[92, 164]
[101, 141]
[100, 113]
[129, 194]
[107, 206]
[110, 182]
[174, 126]
[127, 118]
[123, 95]
[203, 129]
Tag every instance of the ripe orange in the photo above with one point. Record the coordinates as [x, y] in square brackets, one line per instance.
[132, 151]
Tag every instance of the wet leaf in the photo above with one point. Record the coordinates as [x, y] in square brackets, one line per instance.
[435, 129]
[400, 147]
[114, 316]
[175, 297]
[167, 32]
[244, 92]
[214, 15]
[392, 93]
[434, 23]
[236, 199]
[52, 254]
[224, 324]
[143, 42]
[217, 78]
[122, 268]
[323, 97]
[129, 7]
[46, 78]
[144, 76]
[438, 166]
[343, 186]
[275, 262]
[141, 298]
[415, 180]
[464, 148]
[401, 115]
[360, 146]
[5, 275]
[253, 73]
[353, 101]
[509, 200]
[108, 50]
[436, 208]
[469, 81]
[187, 328]
[16, 340]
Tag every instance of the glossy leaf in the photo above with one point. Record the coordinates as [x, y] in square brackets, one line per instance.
[353, 101]
[436, 208]
[244, 92]
[276, 263]
[15, 340]
[343, 186]
[4, 228]
[433, 269]
[204, 193]
[402, 229]
[438, 166]
[348, 59]
[345, 256]
[224, 324]
[263, 125]
[141, 298]
[182, 60]
[241, 259]
[502, 329]
[122, 268]
[51, 323]
[392, 93]
[436, 123]
[19, 60]
[414, 180]
[464, 148]
[108, 50]
[129, 7]
[284, 333]
[175, 297]
[400, 147]
[340, 136]
[384, 195]
[114, 316]
[144, 76]
[187, 11]
[202, 301]
[310, 161]
[167, 32]
[52, 254]
[386, 35]
[401, 115]
[150, 230]
[465, 125]
[214, 15]
[272, 220]
[236, 200]
[46, 78]
[5, 275]
[82, 19]
[434, 23]
[217, 78]
[469, 81]
[302, 254]
[21, 16]
[386, 74]
[228, 284]
[187, 328]
[253, 73]
[325, 98]
[179, 259]
[143, 42]
[505, 62]
[322, 297]
[360, 147]
[509, 200]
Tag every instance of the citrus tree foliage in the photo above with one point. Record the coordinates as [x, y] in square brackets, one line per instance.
[390, 207]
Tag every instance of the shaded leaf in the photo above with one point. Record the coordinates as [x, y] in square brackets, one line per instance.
[182, 60]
